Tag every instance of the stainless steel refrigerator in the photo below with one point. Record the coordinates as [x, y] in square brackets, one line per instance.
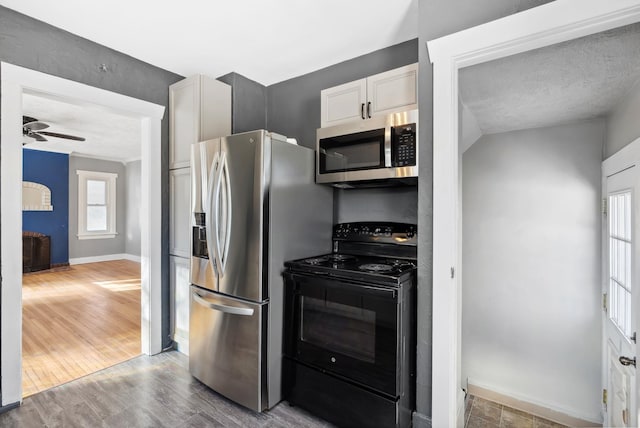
[255, 205]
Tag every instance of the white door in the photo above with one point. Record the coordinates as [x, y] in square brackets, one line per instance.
[620, 287]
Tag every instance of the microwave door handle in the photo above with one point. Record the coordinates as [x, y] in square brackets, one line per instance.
[209, 213]
[387, 146]
[216, 212]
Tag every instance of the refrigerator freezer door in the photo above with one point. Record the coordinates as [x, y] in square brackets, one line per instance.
[225, 347]
[241, 188]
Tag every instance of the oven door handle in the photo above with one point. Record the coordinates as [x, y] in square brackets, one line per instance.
[370, 290]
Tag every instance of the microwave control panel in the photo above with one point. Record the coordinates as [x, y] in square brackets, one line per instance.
[403, 145]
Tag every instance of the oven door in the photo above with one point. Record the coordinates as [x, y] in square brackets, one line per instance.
[345, 328]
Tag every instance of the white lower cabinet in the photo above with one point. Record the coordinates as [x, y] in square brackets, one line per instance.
[179, 273]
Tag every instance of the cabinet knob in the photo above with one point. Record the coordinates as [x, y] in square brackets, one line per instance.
[368, 110]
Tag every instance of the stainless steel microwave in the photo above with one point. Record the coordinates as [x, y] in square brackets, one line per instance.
[378, 151]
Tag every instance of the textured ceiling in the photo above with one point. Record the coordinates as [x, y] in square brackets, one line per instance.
[574, 80]
[108, 135]
[267, 41]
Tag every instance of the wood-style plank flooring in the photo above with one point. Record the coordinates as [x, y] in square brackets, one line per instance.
[156, 392]
[481, 413]
[78, 320]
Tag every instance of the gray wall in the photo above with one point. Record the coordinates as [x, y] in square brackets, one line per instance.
[97, 247]
[438, 18]
[132, 223]
[623, 125]
[531, 266]
[248, 103]
[382, 204]
[33, 44]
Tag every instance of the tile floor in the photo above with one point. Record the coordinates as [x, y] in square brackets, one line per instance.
[480, 413]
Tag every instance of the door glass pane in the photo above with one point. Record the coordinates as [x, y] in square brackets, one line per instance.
[620, 260]
[96, 192]
[344, 329]
[96, 218]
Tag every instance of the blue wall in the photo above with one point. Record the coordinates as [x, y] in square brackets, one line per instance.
[51, 170]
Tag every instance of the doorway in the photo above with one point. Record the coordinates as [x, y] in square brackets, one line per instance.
[87, 162]
[16, 81]
[549, 24]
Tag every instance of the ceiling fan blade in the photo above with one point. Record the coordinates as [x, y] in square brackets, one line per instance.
[35, 126]
[36, 136]
[68, 137]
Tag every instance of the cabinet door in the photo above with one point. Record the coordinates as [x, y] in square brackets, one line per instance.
[180, 216]
[179, 282]
[215, 109]
[184, 120]
[392, 91]
[344, 103]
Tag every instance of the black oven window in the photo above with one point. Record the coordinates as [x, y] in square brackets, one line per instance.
[341, 328]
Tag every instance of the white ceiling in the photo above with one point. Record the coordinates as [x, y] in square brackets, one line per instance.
[267, 41]
[108, 135]
[580, 79]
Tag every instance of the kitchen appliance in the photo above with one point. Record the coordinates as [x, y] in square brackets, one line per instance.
[254, 205]
[379, 151]
[350, 327]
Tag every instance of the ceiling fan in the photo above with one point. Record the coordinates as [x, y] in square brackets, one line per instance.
[32, 127]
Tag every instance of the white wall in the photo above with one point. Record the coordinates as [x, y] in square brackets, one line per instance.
[531, 325]
[623, 124]
[132, 239]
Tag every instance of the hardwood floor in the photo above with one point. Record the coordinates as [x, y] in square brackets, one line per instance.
[77, 321]
[156, 392]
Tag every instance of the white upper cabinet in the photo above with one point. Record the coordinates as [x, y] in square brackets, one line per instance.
[344, 103]
[383, 93]
[199, 109]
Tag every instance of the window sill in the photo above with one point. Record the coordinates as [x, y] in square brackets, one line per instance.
[96, 236]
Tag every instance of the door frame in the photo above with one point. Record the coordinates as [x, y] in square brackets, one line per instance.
[544, 25]
[625, 158]
[15, 81]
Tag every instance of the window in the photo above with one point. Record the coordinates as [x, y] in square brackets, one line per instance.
[620, 260]
[96, 205]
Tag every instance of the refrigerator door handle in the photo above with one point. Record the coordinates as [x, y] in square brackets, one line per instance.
[222, 308]
[216, 212]
[227, 201]
[209, 213]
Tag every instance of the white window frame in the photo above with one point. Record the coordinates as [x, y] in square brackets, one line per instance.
[110, 180]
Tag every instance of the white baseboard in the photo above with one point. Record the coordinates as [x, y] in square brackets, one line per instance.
[552, 413]
[105, 258]
[461, 405]
[182, 343]
[132, 257]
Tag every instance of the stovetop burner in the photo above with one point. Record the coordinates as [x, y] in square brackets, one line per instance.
[341, 257]
[375, 267]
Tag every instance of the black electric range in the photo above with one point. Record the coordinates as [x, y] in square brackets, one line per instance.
[349, 335]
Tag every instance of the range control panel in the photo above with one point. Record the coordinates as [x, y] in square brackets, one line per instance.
[387, 232]
[403, 145]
